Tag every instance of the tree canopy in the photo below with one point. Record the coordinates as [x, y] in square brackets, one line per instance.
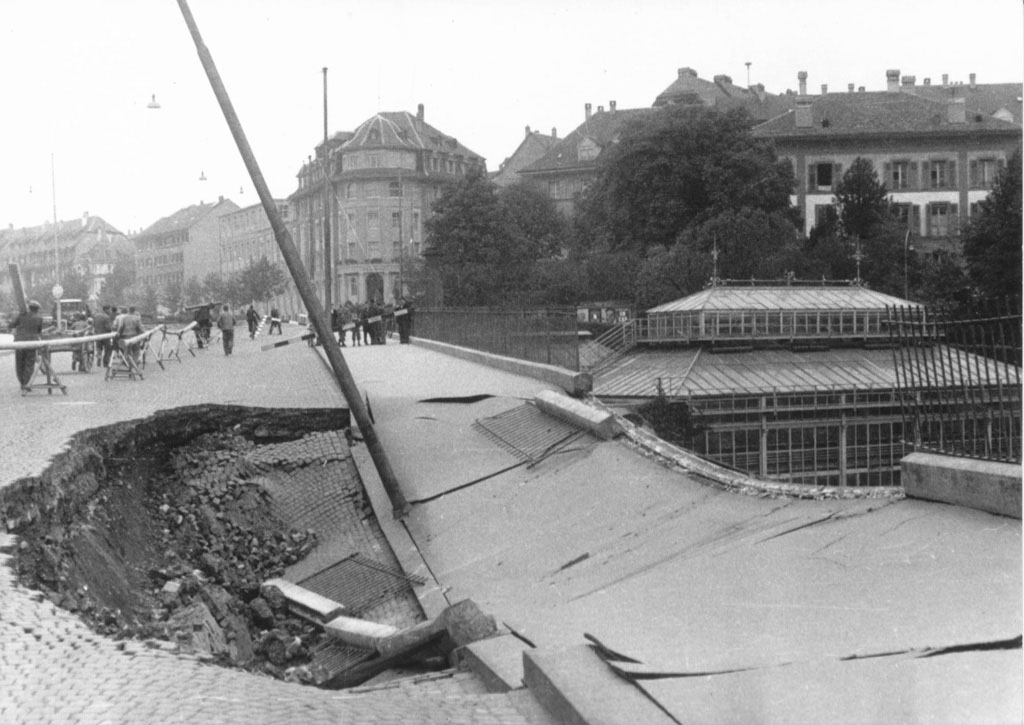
[260, 280]
[680, 166]
[992, 241]
[482, 244]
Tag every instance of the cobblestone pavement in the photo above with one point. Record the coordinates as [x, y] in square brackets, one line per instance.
[53, 669]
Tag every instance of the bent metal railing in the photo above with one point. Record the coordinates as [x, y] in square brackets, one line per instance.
[959, 379]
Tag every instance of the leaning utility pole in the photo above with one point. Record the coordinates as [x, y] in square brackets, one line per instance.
[302, 282]
[325, 167]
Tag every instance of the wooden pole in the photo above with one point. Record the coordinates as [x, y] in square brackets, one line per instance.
[321, 324]
[19, 289]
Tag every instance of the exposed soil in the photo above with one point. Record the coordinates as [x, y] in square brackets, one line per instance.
[161, 529]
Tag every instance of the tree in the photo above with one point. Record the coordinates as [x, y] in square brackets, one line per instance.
[148, 301]
[862, 200]
[193, 291]
[119, 282]
[540, 228]
[215, 288]
[259, 281]
[482, 253]
[172, 295]
[677, 167]
[750, 244]
[992, 241]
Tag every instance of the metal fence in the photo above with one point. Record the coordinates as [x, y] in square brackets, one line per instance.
[959, 378]
[548, 336]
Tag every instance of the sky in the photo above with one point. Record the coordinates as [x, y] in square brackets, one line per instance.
[78, 75]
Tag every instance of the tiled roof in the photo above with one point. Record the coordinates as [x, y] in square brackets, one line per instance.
[879, 113]
[722, 93]
[602, 127]
[183, 218]
[782, 298]
[983, 97]
[530, 149]
[400, 129]
[96, 238]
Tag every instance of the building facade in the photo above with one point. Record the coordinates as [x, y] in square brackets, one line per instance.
[530, 149]
[936, 150]
[89, 245]
[182, 246]
[383, 178]
[246, 237]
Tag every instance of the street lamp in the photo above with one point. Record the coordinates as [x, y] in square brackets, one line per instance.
[58, 291]
[907, 249]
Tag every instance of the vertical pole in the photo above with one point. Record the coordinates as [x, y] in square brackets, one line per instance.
[293, 260]
[56, 244]
[325, 166]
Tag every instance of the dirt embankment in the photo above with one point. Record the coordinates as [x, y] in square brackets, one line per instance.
[160, 529]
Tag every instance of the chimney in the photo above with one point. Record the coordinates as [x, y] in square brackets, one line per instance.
[945, 79]
[723, 81]
[957, 111]
[683, 72]
[85, 219]
[802, 78]
[824, 88]
[600, 109]
[892, 80]
[554, 132]
[927, 81]
[909, 81]
[973, 77]
[860, 89]
[758, 89]
[586, 111]
[528, 132]
[611, 106]
[220, 199]
[803, 114]
[849, 88]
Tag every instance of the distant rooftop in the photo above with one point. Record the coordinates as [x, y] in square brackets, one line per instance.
[850, 297]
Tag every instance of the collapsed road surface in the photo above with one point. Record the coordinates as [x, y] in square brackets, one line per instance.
[166, 528]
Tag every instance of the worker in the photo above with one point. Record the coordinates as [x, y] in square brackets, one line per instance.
[27, 326]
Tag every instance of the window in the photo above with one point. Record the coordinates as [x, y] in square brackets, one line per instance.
[373, 233]
[941, 174]
[825, 176]
[395, 188]
[983, 173]
[451, 166]
[554, 189]
[352, 281]
[396, 226]
[899, 175]
[822, 176]
[909, 216]
[416, 225]
[351, 191]
[375, 161]
[938, 220]
[435, 164]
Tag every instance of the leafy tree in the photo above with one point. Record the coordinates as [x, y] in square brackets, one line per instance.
[215, 288]
[944, 282]
[148, 301]
[863, 225]
[193, 291]
[992, 241]
[260, 280]
[119, 282]
[751, 244]
[77, 282]
[539, 227]
[172, 295]
[482, 253]
[680, 166]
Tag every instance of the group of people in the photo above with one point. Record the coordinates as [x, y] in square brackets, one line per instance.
[370, 323]
[124, 321]
[203, 317]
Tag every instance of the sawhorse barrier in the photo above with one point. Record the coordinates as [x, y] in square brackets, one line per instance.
[43, 364]
[125, 360]
[172, 350]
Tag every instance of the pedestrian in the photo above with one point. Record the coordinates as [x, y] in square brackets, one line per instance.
[364, 324]
[27, 326]
[102, 325]
[275, 321]
[253, 319]
[128, 325]
[78, 327]
[404, 321]
[226, 323]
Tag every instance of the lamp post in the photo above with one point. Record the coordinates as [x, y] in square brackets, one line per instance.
[58, 291]
[324, 162]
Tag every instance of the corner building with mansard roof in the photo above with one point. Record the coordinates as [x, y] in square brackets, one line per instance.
[383, 177]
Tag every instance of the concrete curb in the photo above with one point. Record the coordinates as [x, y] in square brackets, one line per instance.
[989, 486]
[571, 382]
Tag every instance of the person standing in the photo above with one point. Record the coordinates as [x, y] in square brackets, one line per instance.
[253, 319]
[27, 326]
[226, 323]
[275, 321]
[128, 325]
[101, 325]
[404, 321]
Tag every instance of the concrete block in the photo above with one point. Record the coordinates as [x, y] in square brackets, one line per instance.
[306, 603]
[572, 382]
[576, 687]
[497, 661]
[600, 423]
[983, 485]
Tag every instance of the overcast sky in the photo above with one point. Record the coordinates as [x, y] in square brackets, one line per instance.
[76, 77]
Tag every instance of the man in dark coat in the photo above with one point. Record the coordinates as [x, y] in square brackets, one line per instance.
[27, 326]
[404, 321]
[102, 325]
[253, 319]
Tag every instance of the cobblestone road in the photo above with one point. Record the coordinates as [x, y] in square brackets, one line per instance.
[53, 669]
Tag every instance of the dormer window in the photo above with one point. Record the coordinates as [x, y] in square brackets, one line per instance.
[587, 149]
[373, 136]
